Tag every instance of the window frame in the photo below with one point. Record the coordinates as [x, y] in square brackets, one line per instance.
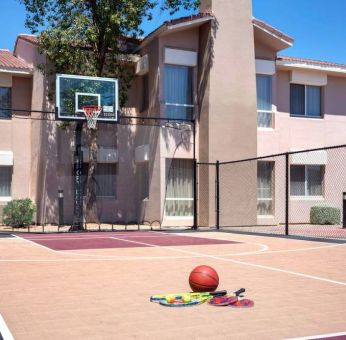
[272, 199]
[271, 111]
[306, 178]
[84, 179]
[9, 111]
[8, 198]
[167, 103]
[144, 105]
[321, 116]
[139, 169]
[186, 199]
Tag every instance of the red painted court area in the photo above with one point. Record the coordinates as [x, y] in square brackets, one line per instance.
[100, 240]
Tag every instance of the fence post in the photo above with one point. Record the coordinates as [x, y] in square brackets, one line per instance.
[287, 196]
[61, 208]
[195, 194]
[217, 180]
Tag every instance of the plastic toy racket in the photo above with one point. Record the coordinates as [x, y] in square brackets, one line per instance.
[182, 303]
[185, 299]
[242, 303]
[227, 300]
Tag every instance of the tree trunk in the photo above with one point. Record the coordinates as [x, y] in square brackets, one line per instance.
[91, 189]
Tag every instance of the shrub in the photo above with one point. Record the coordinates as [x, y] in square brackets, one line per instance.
[325, 214]
[19, 213]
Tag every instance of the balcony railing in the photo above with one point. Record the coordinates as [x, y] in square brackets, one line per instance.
[265, 119]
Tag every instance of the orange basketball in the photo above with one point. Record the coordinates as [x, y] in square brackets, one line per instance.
[203, 279]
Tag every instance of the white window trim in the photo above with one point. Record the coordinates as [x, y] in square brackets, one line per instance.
[5, 198]
[265, 216]
[307, 198]
[179, 199]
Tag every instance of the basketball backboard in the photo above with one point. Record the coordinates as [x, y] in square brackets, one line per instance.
[73, 92]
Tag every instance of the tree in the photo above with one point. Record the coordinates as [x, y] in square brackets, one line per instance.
[87, 37]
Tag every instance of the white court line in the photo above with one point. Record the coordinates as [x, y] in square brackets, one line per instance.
[302, 249]
[245, 263]
[121, 258]
[255, 252]
[58, 238]
[216, 257]
[62, 252]
[321, 336]
[4, 331]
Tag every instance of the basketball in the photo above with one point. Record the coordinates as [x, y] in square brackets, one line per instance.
[203, 279]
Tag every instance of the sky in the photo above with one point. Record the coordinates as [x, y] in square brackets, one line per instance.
[317, 26]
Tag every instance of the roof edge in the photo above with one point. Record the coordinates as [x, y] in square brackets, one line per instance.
[279, 34]
[310, 64]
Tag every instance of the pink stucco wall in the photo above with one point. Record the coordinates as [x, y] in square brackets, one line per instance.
[296, 133]
[16, 135]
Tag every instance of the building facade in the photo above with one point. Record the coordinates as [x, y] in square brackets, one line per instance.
[220, 68]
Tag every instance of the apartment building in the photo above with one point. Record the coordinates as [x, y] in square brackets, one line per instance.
[222, 67]
[15, 131]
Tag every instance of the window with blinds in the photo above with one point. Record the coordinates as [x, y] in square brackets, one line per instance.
[179, 188]
[305, 100]
[5, 181]
[264, 101]
[265, 188]
[105, 179]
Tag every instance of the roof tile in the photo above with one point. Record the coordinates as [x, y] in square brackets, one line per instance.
[311, 61]
[8, 60]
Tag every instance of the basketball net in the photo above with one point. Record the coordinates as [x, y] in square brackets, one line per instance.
[91, 113]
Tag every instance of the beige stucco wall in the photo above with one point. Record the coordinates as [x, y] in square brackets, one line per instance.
[228, 113]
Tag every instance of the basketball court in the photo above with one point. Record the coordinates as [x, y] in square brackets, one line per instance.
[97, 286]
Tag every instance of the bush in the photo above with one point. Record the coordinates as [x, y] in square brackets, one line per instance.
[19, 213]
[325, 214]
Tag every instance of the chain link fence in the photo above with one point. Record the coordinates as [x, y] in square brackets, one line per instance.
[301, 193]
[144, 177]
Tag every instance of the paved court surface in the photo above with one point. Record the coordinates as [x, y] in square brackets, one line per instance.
[299, 288]
[102, 240]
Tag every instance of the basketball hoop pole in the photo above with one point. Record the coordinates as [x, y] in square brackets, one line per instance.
[78, 185]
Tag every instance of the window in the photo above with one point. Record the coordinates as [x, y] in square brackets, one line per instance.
[5, 181]
[145, 93]
[178, 91]
[264, 101]
[5, 102]
[307, 180]
[105, 179]
[305, 100]
[179, 190]
[143, 180]
[265, 188]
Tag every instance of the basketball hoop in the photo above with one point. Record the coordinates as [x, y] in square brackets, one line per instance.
[91, 113]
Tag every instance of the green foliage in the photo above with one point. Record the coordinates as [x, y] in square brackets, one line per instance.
[19, 213]
[325, 214]
[93, 38]
[89, 37]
